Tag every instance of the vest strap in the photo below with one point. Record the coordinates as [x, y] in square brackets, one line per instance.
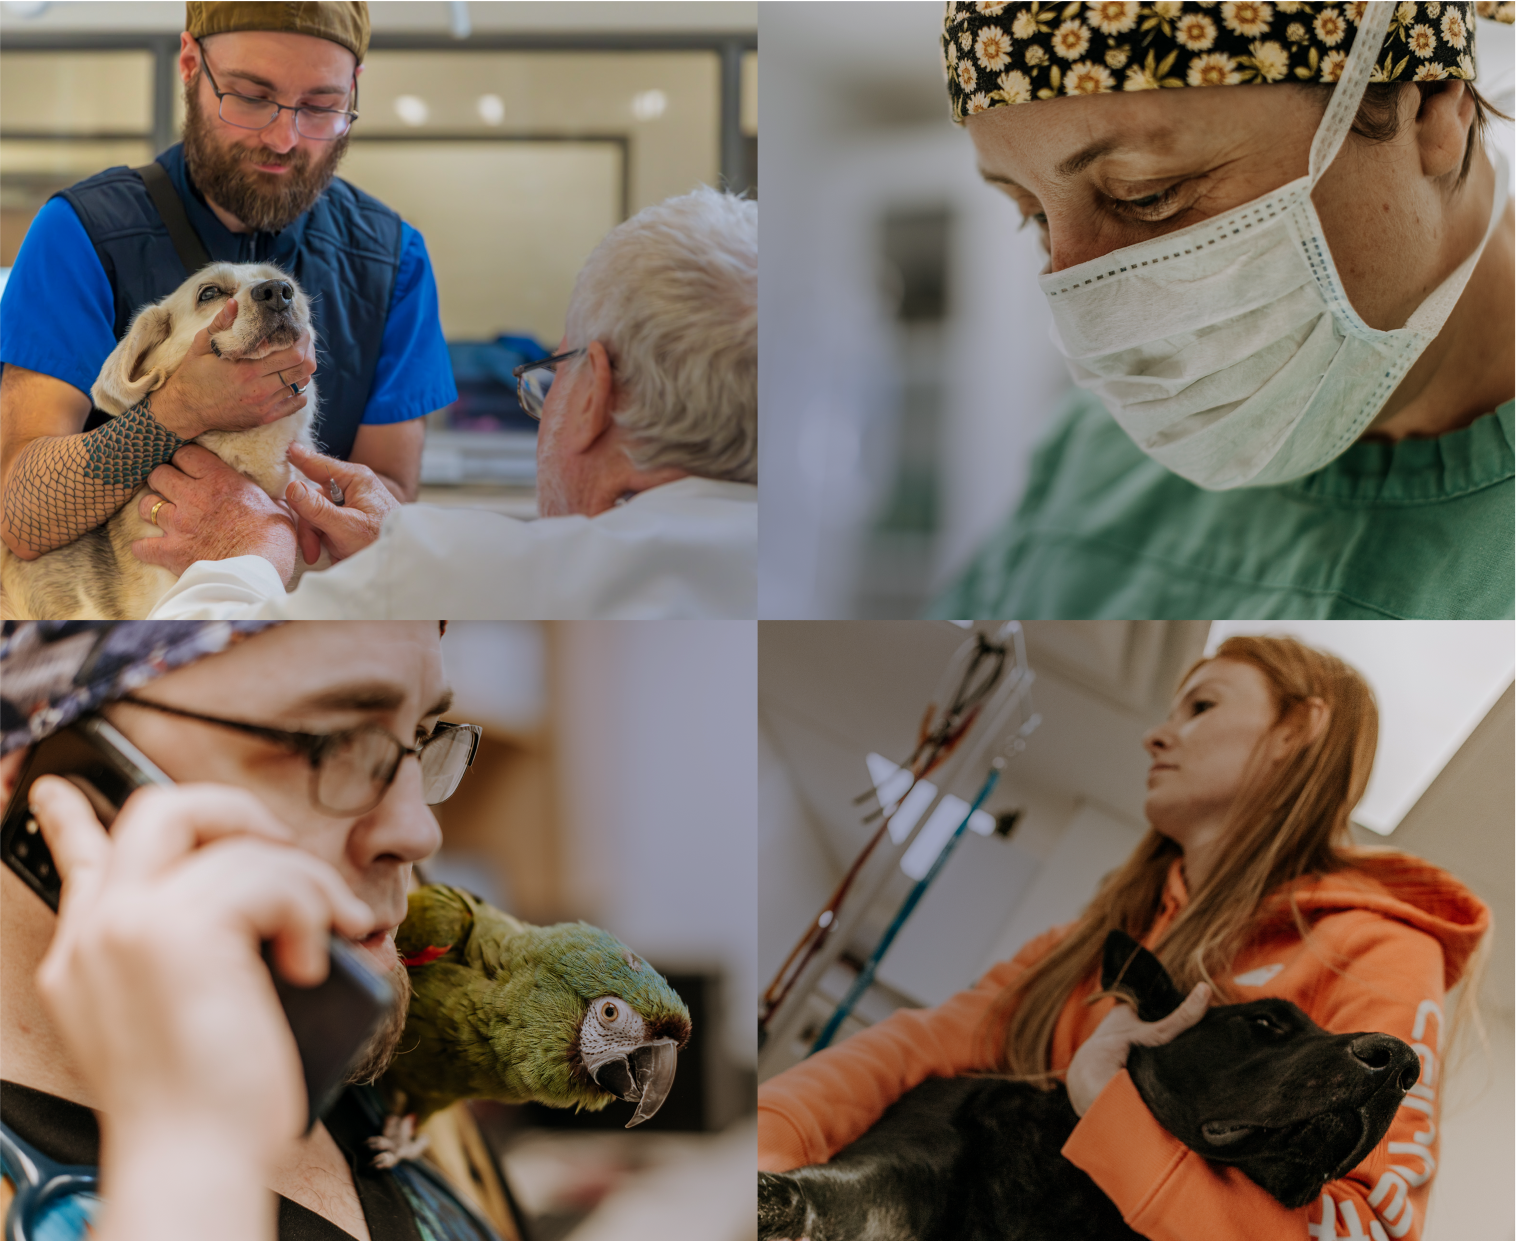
[187, 244]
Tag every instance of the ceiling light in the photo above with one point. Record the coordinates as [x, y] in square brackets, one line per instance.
[412, 110]
[890, 784]
[938, 830]
[491, 109]
[649, 105]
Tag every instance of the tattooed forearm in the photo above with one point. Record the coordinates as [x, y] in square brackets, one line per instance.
[62, 487]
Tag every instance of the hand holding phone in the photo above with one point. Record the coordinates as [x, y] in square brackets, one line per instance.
[150, 975]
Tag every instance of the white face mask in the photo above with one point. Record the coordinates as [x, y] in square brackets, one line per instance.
[1228, 350]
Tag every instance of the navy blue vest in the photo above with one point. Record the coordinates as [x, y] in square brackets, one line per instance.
[344, 252]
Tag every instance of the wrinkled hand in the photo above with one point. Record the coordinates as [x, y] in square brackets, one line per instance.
[212, 393]
[1103, 1054]
[153, 977]
[211, 512]
[343, 529]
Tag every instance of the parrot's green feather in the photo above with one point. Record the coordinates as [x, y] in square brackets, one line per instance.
[496, 1007]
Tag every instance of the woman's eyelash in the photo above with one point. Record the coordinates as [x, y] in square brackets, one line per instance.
[1202, 704]
[1149, 205]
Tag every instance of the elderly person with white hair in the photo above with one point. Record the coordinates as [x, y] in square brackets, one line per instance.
[646, 468]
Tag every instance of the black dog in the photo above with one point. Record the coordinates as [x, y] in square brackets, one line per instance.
[1257, 1085]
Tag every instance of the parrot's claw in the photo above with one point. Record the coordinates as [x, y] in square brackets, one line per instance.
[399, 1141]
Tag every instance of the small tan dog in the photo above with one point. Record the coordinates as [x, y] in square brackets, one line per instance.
[96, 577]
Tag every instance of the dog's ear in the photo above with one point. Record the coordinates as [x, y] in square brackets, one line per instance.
[119, 386]
[1127, 966]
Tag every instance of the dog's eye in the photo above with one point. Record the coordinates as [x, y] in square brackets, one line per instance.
[1268, 1025]
[210, 293]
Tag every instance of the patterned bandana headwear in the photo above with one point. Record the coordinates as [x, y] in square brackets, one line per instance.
[53, 672]
[996, 54]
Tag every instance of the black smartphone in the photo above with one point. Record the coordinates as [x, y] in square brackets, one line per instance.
[331, 1021]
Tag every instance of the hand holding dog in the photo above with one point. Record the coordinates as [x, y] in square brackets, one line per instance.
[1104, 1053]
[154, 982]
[212, 393]
[342, 529]
[211, 512]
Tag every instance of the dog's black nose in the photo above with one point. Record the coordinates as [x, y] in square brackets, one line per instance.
[1377, 1052]
[277, 293]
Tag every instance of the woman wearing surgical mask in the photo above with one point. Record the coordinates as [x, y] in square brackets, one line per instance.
[1287, 307]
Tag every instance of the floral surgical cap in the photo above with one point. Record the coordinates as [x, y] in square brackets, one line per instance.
[997, 53]
[53, 672]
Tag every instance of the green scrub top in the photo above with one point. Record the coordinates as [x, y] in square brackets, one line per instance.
[1419, 528]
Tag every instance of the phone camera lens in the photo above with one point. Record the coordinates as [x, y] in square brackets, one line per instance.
[43, 870]
[31, 827]
[22, 848]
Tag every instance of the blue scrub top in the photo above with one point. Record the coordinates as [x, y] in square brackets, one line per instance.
[57, 313]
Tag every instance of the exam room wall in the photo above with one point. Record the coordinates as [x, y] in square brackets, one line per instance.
[849, 138]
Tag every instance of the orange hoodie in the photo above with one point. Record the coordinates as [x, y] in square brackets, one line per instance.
[1405, 931]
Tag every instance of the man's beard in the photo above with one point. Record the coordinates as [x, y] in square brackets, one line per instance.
[224, 173]
[385, 1041]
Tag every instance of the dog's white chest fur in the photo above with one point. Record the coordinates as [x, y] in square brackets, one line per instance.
[96, 576]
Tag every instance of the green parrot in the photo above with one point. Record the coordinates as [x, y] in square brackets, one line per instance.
[565, 1015]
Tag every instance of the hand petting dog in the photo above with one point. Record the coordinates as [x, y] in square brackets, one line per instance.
[342, 528]
[1104, 1053]
[209, 511]
[212, 393]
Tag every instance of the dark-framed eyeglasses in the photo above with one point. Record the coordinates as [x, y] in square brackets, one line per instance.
[52, 1202]
[245, 112]
[352, 770]
[533, 379]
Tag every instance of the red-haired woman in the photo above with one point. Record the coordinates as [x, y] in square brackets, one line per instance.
[1246, 886]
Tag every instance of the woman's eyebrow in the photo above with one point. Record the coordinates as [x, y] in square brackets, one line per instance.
[1074, 164]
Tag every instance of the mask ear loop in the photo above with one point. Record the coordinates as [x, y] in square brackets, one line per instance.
[1356, 71]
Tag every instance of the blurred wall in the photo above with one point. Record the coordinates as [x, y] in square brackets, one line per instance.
[859, 128]
[419, 16]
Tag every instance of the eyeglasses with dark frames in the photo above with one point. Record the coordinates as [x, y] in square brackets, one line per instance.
[351, 770]
[533, 379]
[245, 112]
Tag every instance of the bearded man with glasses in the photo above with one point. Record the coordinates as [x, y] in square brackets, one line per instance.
[138, 1027]
[270, 94]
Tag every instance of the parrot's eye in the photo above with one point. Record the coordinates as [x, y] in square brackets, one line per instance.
[609, 1013]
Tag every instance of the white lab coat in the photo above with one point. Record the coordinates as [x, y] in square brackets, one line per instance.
[686, 549]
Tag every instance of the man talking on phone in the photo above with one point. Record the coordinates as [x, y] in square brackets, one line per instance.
[140, 1030]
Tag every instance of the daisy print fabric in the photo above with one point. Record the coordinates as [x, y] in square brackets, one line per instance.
[999, 53]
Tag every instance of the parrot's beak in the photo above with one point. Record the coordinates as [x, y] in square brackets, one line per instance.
[644, 1077]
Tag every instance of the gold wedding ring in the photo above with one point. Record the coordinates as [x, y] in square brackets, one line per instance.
[153, 516]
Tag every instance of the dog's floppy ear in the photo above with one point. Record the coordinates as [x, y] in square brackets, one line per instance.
[119, 387]
[1127, 966]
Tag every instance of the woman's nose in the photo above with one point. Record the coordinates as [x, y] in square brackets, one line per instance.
[1156, 740]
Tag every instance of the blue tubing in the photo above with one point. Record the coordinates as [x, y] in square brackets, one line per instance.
[865, 977]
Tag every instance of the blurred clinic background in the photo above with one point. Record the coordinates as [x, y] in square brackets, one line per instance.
[906, 370]
[514, 136]
[839, 706]
[615, 783]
